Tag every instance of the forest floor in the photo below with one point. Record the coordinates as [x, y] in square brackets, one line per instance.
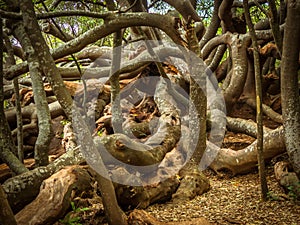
[230, 200]
[234, 200]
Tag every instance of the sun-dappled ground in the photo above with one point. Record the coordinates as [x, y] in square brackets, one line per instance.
[235, 201]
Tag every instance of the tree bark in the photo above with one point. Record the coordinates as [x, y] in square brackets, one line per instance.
[11, 61]
[245, 160]
[258, 90]
[185, 8]
[55, 196]
[7, 146]
[42, 109]
[238, 47]
[6, 214]
[213, 27]
[274, 22]
[23, 188]
[117, 118]
[193, 181]
[289, 84]
[226, 16]
[115, 214]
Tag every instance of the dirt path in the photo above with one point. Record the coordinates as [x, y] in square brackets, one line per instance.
[234, 201]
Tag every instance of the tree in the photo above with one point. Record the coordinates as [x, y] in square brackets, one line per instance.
[161, 128]
[259, 119]
[289, 84]
[114, 213]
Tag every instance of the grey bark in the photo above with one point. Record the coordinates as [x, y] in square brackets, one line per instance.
[11, 61]
[114, 214]
[43, 113]
[117, 118]
[245, 160]
[7, 146]
[289, 84]
[6, 143]
[213, 27]
[232, 92]
[274, 22]
[167, 24]
[185, 8]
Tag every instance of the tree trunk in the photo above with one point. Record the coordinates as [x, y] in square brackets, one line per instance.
[193, 181]
[258, 90]
[117, 118]
[289, 84]
[6, 142]
[11, 61]
[114, 214]
[274, 22]
[6, 214]
[40, 100]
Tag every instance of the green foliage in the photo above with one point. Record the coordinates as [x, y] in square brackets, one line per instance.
[6, 104]
[73, 25]
[205, 9]
[292, 192]
[257, 14]
[100, 132]
[78, 209]
[69, 219]
[2, 5]
[64, 122]
[271, 196]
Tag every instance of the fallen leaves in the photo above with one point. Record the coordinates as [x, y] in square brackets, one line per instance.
[233, 201]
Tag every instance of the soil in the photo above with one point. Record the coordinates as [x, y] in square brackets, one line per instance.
[234, 201]
[230, 200]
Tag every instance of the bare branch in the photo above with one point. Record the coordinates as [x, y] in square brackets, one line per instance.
[48, 15]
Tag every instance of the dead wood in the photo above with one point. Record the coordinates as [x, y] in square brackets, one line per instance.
[23, 188]
[6, 214]
[55, 196]
[143, 195]
[245, 160]
[193, 183]
[28, 112]
[287, 179]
